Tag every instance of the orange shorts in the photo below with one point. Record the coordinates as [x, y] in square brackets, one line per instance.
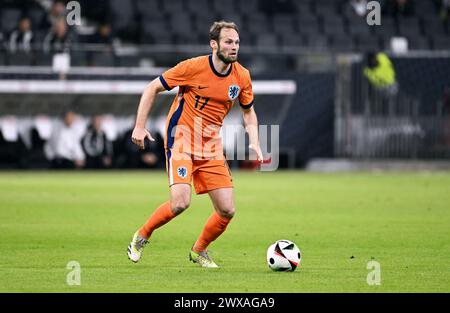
[207, 175]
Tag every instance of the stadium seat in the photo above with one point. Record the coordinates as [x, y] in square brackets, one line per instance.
[104, 59]
[221, 7]
[350, 17]
[181, 24]
[325, 9]
[257, 23]
[198, 7]
[173, 5]
[123, 14]
[163, 39]
[153, 27]
[334, 28]
[358, 26]
[203, 23]
[365, 44]
[409, 27]
[188, 39]
[291, 40]
[433, 26]
[201, 39]
[20, 59]
[127, 60]
[441, 43]
[418, 43]
[388, 27]
[248, 6]
[421, 13]
[148, 8]
[98, 10]
[414, 43]
[425, 8]
[342, 43]
[266, 40]
[231, 17]
[317, 41]
[9, 19]
[36, 16]
[308, 25]
[303, 8]
[124, 11]
[247, 38]
[43, 59]
[334, 19]
[2, 58]
[79, 58]
[39, 36]
[283, 23]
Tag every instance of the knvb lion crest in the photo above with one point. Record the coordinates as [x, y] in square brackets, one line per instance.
[233, 92]
[182, 171]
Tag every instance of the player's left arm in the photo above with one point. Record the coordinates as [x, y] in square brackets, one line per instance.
[251, 126]
[246, 100]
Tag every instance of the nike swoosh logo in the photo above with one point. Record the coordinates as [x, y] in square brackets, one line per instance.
[202, 87]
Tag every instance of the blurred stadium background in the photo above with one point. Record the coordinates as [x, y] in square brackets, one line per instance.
[310, 62]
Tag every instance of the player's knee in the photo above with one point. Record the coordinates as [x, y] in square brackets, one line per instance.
[179, 205]
[227, 212]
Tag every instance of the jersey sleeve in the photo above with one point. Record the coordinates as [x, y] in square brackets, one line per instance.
[246, 96]
[178, 75]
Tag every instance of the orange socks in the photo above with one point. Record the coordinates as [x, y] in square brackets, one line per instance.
[161, 216]
[214, 227]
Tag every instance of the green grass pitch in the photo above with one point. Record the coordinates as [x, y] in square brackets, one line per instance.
[339, 221]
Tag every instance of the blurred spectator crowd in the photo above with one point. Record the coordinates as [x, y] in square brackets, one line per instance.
[73, 142]
[341, 25]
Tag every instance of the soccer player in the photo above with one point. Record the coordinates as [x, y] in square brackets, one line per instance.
[208, 88]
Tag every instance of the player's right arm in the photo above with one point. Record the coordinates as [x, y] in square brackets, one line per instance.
[175, 76]
[145, 105]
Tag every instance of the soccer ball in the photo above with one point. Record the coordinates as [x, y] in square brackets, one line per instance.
[283, 255]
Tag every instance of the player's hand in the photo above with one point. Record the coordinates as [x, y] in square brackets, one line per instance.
[139, 135]
[257, 150]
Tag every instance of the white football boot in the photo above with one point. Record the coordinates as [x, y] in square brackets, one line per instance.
[136, 247]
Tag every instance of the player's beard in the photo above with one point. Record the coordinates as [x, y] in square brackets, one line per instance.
[223, 58]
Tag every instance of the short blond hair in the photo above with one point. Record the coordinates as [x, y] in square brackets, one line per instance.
[214, 31]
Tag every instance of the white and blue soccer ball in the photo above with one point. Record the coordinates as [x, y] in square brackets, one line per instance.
[283, 255]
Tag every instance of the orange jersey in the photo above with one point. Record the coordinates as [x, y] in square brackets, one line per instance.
[204, 99]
